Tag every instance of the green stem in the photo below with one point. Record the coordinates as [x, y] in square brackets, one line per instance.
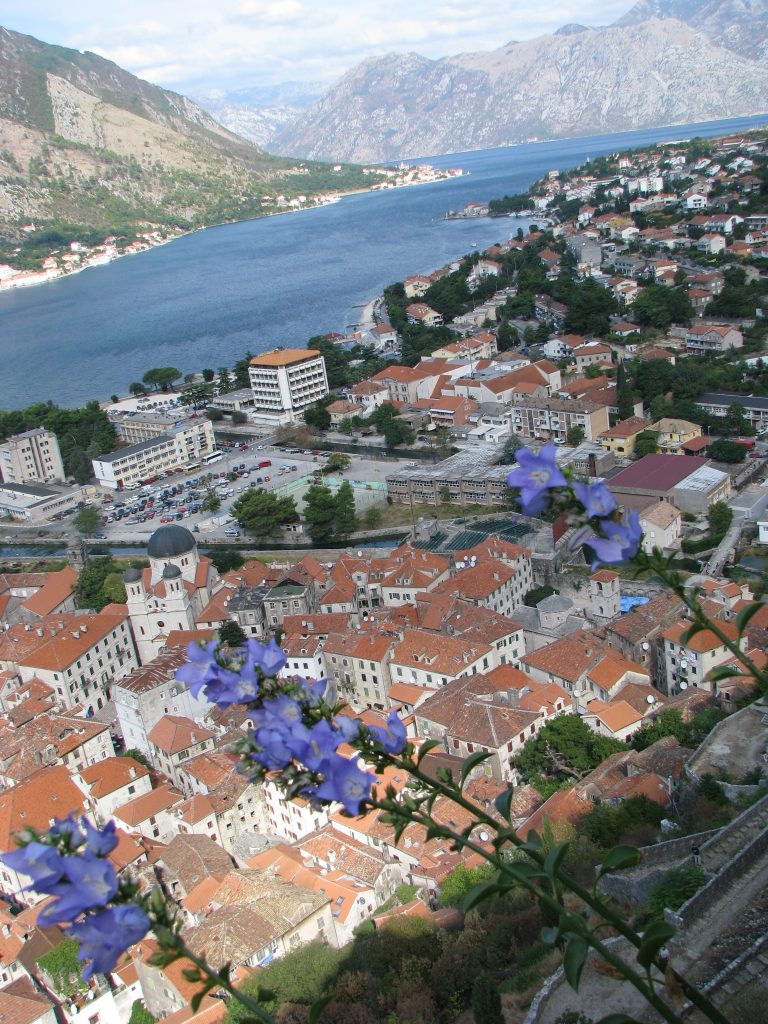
[452, 792]
[676, 585]
[223, 982]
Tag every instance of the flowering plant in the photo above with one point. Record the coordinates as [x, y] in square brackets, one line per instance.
[319, 752]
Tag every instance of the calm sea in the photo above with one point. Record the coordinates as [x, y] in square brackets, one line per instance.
[204, 299]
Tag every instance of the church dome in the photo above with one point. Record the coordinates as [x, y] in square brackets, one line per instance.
[132, 575]
[170, 542]
[171, 572]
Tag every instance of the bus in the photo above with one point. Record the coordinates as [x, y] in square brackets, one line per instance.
[192, 467]
[215, 456]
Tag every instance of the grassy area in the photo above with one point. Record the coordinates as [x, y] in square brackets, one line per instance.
[405, 515]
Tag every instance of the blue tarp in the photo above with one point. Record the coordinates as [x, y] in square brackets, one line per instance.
[628, 602]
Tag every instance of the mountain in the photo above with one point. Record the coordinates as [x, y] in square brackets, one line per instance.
[259, 114]
[739, 25]
[580, 81]
[82, 141]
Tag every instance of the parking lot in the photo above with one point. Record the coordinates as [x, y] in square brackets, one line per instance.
[133, 515]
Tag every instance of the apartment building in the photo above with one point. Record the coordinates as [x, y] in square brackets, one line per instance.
[185, 444]
[79, 655]
[703, 338]
[688, 662]
[717, 403]
[142, 426]
[552, 418]
[31, 458]
[284, 382]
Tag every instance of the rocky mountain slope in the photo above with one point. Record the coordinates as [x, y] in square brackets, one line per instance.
[85, 142]
[739, 25]
[259, 114]
[575, 82]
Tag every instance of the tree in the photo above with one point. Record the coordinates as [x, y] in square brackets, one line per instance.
[232, 633]
[87, 521]
[624, 397]
[512, 446]
[668, 722]
[372, 517]
[338, 462]
[719, 518]
[507, 337]
[137, 388]
[460, 882]
[137, 755]
[226, 558]
[113, 588]
[90, 587]
[208, 375]
[397, 432]
[161, 377]
[346, 518]
[320, 513]
[565, 748]
[723, 450]
[486, 1001]
[211, 502]
[317, 417]
[238, 416]
[646, 443]
[262, 513]
[214, 415]
[140, 1014]
[575, 436]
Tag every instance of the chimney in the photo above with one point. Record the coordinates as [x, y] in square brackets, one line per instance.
[513, 696]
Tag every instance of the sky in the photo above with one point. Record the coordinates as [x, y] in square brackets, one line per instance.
[199, 46]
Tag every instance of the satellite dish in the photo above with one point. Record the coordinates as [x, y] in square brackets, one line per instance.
[650, 699]
[683, 663]
[645, 645]
[577, 693]
[359, 554]
[683, 686]
[484, 836]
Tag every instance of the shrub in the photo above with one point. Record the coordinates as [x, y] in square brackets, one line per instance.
[675, 889]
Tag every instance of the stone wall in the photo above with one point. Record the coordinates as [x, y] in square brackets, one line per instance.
[632, 887]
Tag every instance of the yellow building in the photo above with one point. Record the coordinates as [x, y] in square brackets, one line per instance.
[621, 439]
[673, 434]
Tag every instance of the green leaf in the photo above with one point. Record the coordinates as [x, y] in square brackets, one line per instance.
[317, 1008]
[191, 973]
[555, 859]
[619, 858]
[472, 762]
[479, 893]
[574, 960]
[746, 614]
[425, 748]
[503, 802]
[690, 633]
[723, 672]
[654, 937]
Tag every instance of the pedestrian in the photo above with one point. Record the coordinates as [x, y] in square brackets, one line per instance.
[696, 854]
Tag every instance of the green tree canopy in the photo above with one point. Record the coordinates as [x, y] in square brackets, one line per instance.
[211, 501]
[92, 589]
[719, 518]
[723, 450]
[262, 512]
[317, 417]
[512, 446]
[624, 397]
[646, 443]
[486, 1001]
[320, 513]
[161, 377]
[565, 748]
[345, 513]
[232, 633]
[87, 521]
[460, 882]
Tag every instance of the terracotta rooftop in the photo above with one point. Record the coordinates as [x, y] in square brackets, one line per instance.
[142, 807]
[284, 357]
[58, 586]
[174, 733]
[49, 793]
[112, 774]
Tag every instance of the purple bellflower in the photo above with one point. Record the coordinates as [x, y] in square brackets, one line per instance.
[345, 782]
[393, 736]
[88, 882]
[268, 657]
[596, 499]
[618, 543]
[105, 936]
[534, 476]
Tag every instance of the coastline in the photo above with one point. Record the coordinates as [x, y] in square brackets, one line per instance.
[44, 277]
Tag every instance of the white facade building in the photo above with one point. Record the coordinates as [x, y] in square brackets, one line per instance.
[182, 445]
[285, 382]
[31, 458]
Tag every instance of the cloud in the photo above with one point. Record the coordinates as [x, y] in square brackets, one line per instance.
[190, 45]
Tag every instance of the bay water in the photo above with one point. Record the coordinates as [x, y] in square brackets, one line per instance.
[204, 299]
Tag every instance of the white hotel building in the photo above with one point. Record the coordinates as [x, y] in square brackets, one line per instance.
[284, 383]
[182, 445]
